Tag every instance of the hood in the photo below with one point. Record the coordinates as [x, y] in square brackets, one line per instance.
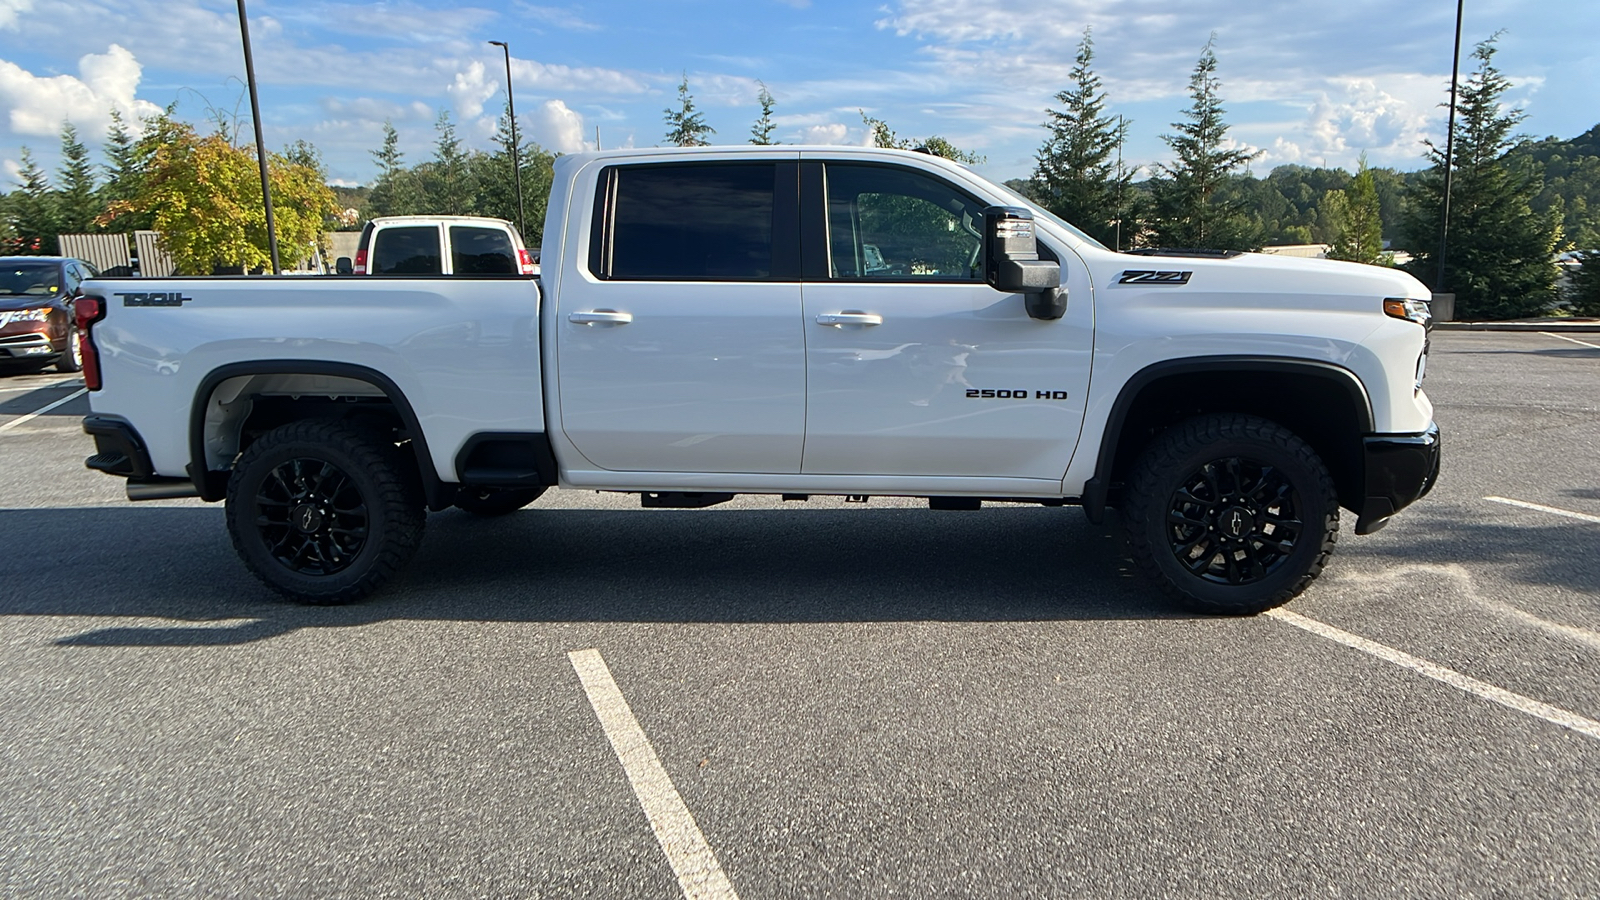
[1255, 279]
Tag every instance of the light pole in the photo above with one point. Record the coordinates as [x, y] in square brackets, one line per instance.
[261, 146]
[1449, 154]
[516, 148]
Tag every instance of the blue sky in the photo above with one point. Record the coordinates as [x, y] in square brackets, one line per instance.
[1310, 83]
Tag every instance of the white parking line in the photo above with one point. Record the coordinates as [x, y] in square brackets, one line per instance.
[43, 409]
[40, 387]
[699, 874]
[1582, 517]
[1553, 714]
[1565, 338]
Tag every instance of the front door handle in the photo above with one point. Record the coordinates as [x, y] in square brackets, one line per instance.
[601, 317]
[849, 317]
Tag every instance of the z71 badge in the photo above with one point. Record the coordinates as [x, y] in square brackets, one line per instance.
[1149, 276]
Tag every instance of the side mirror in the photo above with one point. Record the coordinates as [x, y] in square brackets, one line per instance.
[343, 266]
[1014, 265]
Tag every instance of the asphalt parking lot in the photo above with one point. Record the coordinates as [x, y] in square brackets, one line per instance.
[814, 700]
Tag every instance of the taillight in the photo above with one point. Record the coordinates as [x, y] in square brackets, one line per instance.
[525, 261]
[361, 261]
[87, 311]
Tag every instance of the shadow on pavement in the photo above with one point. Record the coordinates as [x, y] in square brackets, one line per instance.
[554, 565]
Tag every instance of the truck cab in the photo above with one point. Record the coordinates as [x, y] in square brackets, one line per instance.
[442, 245]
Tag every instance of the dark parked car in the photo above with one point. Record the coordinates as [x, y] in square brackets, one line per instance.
[36, 320]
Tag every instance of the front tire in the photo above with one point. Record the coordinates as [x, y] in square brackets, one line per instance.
[323, 511]
[1231, 514]
[71, 358]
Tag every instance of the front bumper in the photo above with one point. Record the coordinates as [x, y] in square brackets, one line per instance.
[1400, 469]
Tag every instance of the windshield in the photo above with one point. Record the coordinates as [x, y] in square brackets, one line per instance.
[42, 279]
[1040, 212]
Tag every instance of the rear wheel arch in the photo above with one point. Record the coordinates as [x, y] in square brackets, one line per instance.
[340, 390]
[1325, 404]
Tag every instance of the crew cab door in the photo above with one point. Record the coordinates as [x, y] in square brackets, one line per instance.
[679, 337]
[915, 366]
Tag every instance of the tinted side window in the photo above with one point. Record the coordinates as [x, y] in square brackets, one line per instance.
[693, 221]
[481, 251]
[73, 279]
[901, 225]
[408, 250]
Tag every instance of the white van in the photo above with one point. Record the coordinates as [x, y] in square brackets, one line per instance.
[442, 245]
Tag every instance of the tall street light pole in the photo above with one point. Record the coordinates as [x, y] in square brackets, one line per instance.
[1449, 154]
[261, 144]
[516, 148]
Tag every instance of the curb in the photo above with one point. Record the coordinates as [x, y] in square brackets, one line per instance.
[1551, 325]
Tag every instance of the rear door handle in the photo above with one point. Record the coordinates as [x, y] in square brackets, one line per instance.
[601, 317]
[849, 317]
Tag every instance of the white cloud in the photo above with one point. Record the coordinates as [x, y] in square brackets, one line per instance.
[528, 74]
[10, 10]
[831, 133]
[558, 128]
[557, 18]
[39, 105]
[471, 88]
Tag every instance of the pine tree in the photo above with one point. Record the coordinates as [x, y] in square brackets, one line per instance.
[1585, 284]
[123, 158]
[496, 189]
[1361, 239]
[1192, 209]
[1077, 175]
[396, 192]
[685, 126]
[33, 210]
[761, 132]
[1499, 259]
[447, 178]
[77, 205]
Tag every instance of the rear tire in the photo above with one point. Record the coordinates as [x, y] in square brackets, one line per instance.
[323, 511]
[1231, 514]
[481, 501]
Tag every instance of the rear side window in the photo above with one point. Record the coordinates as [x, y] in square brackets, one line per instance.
[691, 222]
[407, 250]
[481, 251]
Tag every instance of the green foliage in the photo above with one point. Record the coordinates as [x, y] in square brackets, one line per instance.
[77, 204]
[687, 127]
[1360, 237]
[761, 132]
[447, 179]
[1078, 175]
[1570, 172]
[883, 136]
[204, 195]
[1499, 260]
[1192, 209]
[398, 190]
[34, 211]
[1585, 285]
[496, 181]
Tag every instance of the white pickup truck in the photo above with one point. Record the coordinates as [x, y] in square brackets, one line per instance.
[781, 320]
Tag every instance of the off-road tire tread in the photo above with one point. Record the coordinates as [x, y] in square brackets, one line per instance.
[1170, 451]
[399, 494]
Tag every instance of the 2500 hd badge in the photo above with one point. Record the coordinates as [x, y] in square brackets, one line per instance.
[988, 394]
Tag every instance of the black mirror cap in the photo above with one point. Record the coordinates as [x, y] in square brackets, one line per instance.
[1014, 265]
[343, 266]
[1050, 304]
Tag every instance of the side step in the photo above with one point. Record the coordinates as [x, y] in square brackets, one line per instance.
[681, 499]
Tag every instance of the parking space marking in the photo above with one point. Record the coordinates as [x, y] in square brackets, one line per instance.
[1582, 517]
[43, 409]
[40, 387]
[1565, 338]
[699, 874]
[1553, 714]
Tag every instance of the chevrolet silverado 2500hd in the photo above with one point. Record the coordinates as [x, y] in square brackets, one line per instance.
[782, 320]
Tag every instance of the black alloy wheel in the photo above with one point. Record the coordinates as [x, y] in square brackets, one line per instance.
[325, 511]
[1234, 520]
[311, 516]
[1231, 514]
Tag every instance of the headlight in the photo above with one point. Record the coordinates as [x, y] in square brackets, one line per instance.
[25, 315]
[1411, 310]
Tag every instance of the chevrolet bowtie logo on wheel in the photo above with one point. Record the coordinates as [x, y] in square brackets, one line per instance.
[155, 298]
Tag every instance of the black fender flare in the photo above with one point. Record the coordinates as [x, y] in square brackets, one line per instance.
[1098, 488]
[213, 485]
